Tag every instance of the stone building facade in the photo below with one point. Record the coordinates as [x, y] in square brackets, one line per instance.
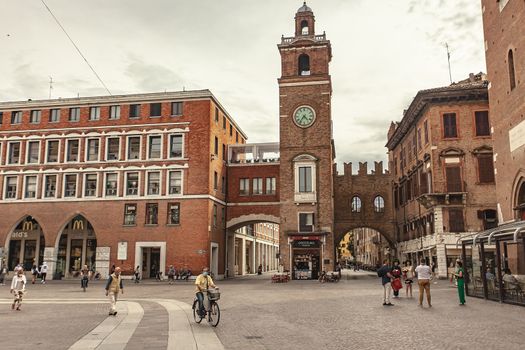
[132, 180]
[440, 156]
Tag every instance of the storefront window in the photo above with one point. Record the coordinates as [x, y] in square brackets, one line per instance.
[75, 255]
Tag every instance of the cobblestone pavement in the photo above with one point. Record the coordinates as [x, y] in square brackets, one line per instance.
[257, 314]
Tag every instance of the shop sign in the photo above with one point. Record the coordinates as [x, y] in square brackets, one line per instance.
[306, 244]
[122, 253]
[301, 238]
[19, 234]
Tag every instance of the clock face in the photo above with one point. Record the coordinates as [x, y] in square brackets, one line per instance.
[304, 116]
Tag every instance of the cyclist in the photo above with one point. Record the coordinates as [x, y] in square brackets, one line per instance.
[84, 275]
[203, 283]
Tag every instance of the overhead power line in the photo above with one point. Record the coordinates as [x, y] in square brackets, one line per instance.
[76, 47]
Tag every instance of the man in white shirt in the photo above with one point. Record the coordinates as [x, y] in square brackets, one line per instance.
[43, 272]
[424, 275]
[18, 288]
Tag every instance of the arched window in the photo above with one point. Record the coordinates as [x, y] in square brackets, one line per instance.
[356, 204]
[379, 204]
[521, 201]
[304, 27]
[512, 75]
[304, 65]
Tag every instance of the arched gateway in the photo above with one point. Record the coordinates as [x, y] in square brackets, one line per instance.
[25, 244]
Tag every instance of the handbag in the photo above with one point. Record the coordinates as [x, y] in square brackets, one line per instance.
[396, 284]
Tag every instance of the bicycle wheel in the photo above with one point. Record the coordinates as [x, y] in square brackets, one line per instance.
[196, 316]
[214, 315]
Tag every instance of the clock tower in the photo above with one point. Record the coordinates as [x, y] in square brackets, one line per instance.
[306, 150]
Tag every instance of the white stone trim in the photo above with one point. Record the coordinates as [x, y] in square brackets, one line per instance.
[86, 149]
[306, 83]
[162, 259]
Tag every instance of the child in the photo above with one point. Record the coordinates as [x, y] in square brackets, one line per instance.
[18, 288]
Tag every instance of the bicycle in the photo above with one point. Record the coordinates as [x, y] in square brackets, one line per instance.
[213, 313]
[84, 282]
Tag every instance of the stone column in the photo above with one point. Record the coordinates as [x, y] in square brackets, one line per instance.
[243, 258]
[50, 257]
[102, 261]
[231, 255]
[441, 252]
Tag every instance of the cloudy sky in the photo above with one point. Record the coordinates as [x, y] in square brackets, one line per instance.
[383, 53]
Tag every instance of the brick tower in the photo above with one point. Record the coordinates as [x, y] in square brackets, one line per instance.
[306, 150]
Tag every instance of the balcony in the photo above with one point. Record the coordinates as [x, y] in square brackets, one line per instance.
[50, 193]
[290, 40]
[90, 192]
[175, 190]
[70, 192]
[429, 200]
[11, 194]
[30, 194]
[254, 153]
[111, 192]
[132, 191]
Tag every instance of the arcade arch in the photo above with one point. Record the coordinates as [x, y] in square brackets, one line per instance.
[365, 245]
[25, 244]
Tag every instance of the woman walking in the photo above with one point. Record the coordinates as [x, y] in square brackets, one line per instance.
[408, 276]
[18, 288]
[460, 273]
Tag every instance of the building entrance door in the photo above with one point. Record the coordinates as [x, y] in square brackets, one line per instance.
[306, 259]
[150, 262]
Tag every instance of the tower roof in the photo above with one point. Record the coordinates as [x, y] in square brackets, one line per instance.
[304, 8]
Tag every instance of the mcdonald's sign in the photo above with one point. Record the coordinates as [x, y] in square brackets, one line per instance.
[27, 226]
[78, 225]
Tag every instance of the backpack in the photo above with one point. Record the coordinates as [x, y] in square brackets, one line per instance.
[380, 273]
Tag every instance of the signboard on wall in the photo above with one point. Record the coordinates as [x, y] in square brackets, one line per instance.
[122, 252]
[306, 244]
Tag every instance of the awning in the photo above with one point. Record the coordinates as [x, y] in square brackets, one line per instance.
[507, 232]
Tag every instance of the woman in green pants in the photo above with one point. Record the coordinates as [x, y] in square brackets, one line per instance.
[461, 282]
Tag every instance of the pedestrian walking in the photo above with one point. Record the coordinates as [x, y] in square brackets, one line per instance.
[386, 278]
[43, 272]
[113, 287]
[84, 277]
[424, 276]
[396, 281]
[3, 273]
[408, 276]
[34, 272]
[460, 277]
[18, 288]
[137, 274]
[171, 274]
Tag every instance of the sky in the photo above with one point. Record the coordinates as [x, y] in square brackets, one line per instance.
[384, 52]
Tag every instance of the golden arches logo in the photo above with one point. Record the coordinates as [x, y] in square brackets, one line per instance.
[78, 225]
[27, 226]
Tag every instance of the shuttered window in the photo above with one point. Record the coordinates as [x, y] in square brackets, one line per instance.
[455, 220]
[482, 123]
[454, 179]
[423, 185]
[449, 125]
[485, 169]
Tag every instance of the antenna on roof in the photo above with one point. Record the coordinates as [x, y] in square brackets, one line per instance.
[50, 86]
[448, 58]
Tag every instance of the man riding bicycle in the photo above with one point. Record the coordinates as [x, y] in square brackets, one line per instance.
[203, 283]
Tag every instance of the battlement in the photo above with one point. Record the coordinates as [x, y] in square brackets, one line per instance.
[363, 169]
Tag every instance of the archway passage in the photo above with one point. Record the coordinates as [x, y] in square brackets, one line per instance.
[76, 247]
[26, 244]
[362, 247]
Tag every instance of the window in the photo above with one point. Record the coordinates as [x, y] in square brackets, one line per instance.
[33, 152]
[482, 123]
[132, 184]
[152, 212]
[35, 117]
[270, 185]
[50, 186]
[154, 147]
[485, 168]
[224, 122]
[155, 109]
[16, 117]
[94, 113]
[305, 179]
[356, 204]
[419, 145]
[236, 136]
[215, 215]
[423, 182]
[512, 73]
[114, 112]
[379, 204]
[10, 187]
[153, 183]
[449, 125]
[224, 155]
[489, 217]
[215, 181]
[306, 222]
[130, 214]
[92, 150]
[134, 147]
[72, 150]
[216, 115]
[90, 187]
[223, 184]
[173, 213]
[257, 185]
[134, 111]
[70, 185]
[113, 148]
[231, 130]
[175, 182]
[30, 187]
[74, 114]
[304, 27]
[111, 184]
[455, 220]
[14, 153]
[216, 146]
[52, 151]
[176, 146]
[453, 174]
[176, 109]
[425, 125]
[244, 187]
[304, 64]
[1, 117]
[54, 116]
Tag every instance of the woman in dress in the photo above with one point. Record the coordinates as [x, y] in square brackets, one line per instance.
[408, 276]
[461, 282]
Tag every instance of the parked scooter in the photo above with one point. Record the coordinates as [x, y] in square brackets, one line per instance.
[329, 277]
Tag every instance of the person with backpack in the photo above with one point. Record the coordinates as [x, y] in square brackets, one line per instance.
[113, 287]
[396, 281]
[386, 278]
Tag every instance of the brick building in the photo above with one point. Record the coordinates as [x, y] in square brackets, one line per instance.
[127, 180]
[440, 156]
[504, 50]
